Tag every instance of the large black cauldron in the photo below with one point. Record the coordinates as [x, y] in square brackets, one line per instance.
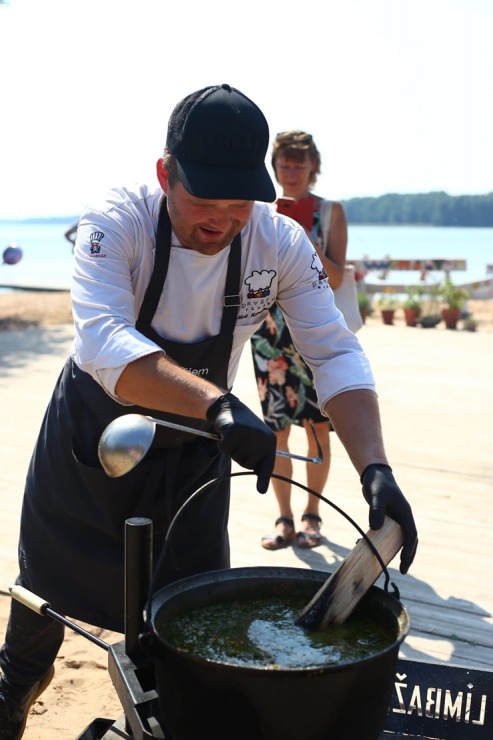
[199, 698]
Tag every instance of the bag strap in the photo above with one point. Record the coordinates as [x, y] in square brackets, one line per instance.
[325, 216]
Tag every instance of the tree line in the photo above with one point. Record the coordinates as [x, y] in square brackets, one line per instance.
[433, 209]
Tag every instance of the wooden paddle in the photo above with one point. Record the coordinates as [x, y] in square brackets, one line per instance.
[343, 589]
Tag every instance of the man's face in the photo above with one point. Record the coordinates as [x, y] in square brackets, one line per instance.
[207, 226]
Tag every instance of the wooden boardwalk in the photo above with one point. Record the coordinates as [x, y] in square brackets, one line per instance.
[436, 399]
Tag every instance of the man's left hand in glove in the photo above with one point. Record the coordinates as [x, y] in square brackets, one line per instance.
[385, 497]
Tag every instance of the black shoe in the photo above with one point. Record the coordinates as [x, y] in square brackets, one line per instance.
[15, 703]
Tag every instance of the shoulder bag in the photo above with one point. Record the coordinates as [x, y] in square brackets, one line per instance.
[346, 295]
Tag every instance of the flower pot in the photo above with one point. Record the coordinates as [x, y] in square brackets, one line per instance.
[388, 315]
[451, 317]
[411, 316]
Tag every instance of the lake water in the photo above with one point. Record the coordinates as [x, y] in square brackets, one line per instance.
[474, 245]
[47, 255]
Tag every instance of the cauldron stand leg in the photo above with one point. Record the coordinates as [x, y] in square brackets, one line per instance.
[130, 670]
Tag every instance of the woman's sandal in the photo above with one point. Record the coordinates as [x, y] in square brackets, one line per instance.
[276, 541]
[310, 539]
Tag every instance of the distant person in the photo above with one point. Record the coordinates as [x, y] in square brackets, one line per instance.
[165, 295]
[284, 380]
[11, 256]
[71, 236]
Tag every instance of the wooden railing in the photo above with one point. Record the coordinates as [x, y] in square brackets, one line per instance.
[386, 264]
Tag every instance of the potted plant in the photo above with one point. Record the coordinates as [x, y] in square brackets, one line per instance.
[455, 298]
[470, 324]
[388, 304]
[412, 305]
[364, 303]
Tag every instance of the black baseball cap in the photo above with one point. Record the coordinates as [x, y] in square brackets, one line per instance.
[219, 138]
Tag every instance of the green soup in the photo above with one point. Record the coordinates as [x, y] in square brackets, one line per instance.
[261, 632]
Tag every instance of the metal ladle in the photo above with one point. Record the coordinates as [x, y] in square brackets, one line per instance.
[126, 439]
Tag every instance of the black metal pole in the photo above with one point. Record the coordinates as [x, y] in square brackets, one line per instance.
[138, 573]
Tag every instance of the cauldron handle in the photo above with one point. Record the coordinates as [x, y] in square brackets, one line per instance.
[214, 481]
[355, 525]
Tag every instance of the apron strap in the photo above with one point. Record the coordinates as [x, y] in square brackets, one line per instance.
[161, 262]
[231, 300]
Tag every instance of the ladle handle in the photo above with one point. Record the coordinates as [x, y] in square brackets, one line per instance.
[211, 435]
[182, 428]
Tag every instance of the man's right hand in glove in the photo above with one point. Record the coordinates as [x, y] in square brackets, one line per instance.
[245, 437]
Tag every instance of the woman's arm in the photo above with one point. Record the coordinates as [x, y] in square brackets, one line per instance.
[333, 254]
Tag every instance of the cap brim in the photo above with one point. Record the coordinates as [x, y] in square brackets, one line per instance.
[227, 183]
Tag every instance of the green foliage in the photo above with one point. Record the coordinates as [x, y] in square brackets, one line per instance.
[388, 301]
[414, 298]
[431, 301]
[453, 296]
[435, 209]
[364, 301]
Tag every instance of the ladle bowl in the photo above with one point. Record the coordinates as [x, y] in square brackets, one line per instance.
[124, 443]
[126, 440]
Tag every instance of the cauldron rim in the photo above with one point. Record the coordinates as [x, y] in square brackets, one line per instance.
[268, 573]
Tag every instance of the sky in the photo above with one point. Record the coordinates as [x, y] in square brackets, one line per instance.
[397, 94]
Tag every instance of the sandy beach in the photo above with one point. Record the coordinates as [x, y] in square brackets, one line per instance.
[22, 309]
[35, 337]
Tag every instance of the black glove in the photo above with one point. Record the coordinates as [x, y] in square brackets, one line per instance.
[385, 497]
[245, 437]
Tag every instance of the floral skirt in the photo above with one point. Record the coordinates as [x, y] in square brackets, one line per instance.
[284, 380]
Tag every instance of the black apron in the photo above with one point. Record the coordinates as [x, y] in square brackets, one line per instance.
[71, 549]
[211, 353]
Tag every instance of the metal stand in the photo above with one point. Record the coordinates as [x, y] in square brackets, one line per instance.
[429, 701]
[134, 684]
[129, 668]
[444, 702]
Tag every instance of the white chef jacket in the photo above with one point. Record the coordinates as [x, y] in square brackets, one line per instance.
[114, 259]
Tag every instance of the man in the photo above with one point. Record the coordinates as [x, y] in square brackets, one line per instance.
[71, 234]
[168, 287]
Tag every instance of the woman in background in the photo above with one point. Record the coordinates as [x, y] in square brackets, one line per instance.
[284, 381]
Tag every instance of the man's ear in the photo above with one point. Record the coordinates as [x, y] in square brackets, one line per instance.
[162, 175]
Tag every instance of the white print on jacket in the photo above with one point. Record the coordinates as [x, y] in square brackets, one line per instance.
[259, 283]
[317, 265]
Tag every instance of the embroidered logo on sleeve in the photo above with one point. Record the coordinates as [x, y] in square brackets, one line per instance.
[317, 265]
[95, 240]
